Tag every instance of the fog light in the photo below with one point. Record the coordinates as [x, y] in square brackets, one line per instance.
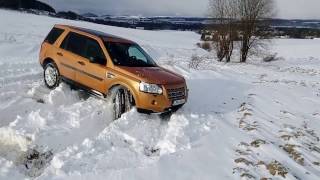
[154, 102]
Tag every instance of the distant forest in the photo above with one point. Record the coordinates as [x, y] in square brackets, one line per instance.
[26, 4]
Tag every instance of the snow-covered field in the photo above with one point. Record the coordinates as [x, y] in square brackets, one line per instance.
[257, 120]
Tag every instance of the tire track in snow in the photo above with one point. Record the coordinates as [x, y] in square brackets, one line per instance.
[294, 147]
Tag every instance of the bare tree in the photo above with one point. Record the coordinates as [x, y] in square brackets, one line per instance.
[243, 17]
[226, 12]
[250, 14]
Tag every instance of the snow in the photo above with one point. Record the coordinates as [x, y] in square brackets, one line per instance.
[242, 121]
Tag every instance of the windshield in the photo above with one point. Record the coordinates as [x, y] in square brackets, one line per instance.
[128, 54]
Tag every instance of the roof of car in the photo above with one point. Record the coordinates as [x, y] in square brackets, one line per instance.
[102, 35]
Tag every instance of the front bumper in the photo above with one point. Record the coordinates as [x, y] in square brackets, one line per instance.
[173, 96]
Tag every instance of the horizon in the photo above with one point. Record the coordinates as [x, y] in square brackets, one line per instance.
[285, 9]
[173, 16]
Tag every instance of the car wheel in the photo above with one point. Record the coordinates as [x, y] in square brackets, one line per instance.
[121, 101]
[51, 75]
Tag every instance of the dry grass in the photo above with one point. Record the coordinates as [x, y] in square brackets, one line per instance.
[276, 168]
[316, 163]
[286, 137]
[293, 153]
[257, 143]
[244, 161]
[247, 176]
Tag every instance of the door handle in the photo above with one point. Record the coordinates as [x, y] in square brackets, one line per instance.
[59, 54]
[110, 75]
[81, 63]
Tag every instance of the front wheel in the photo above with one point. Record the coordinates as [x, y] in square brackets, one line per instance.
[51, 75]
[122, 101]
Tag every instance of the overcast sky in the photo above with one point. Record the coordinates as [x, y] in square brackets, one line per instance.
[301, 9]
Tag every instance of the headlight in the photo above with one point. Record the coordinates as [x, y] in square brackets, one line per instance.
[150, 88]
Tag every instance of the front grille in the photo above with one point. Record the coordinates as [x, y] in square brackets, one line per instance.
[178, 93]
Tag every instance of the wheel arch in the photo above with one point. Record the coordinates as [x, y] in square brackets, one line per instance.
[130, 89]
[46, 61]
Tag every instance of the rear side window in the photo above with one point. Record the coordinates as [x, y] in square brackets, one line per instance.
[74, 43]
[53, 35]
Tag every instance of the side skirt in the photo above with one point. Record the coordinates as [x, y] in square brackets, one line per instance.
[84, 88]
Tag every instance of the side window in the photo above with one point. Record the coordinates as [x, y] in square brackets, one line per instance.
[53, 35]
[74, 43]
[135, 52]
[65, 42]
[94, 52]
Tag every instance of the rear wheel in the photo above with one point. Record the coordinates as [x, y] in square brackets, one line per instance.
[51, 75]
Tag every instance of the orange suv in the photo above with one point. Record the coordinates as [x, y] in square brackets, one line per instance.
[111, 67]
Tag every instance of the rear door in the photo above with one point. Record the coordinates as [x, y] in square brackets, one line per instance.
[71, 50]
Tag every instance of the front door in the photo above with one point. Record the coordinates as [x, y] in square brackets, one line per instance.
[92, 67]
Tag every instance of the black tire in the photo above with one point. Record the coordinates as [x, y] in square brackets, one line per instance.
[50, 69]
[121, 101]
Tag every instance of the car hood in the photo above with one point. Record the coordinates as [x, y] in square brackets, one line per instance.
[154, 75]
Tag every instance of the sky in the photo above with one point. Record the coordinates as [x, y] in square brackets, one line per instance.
[288, 9]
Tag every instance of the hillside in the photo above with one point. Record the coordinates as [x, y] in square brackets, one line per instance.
[242, 121]
[26, 4]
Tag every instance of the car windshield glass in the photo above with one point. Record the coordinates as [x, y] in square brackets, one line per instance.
[129, 54]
